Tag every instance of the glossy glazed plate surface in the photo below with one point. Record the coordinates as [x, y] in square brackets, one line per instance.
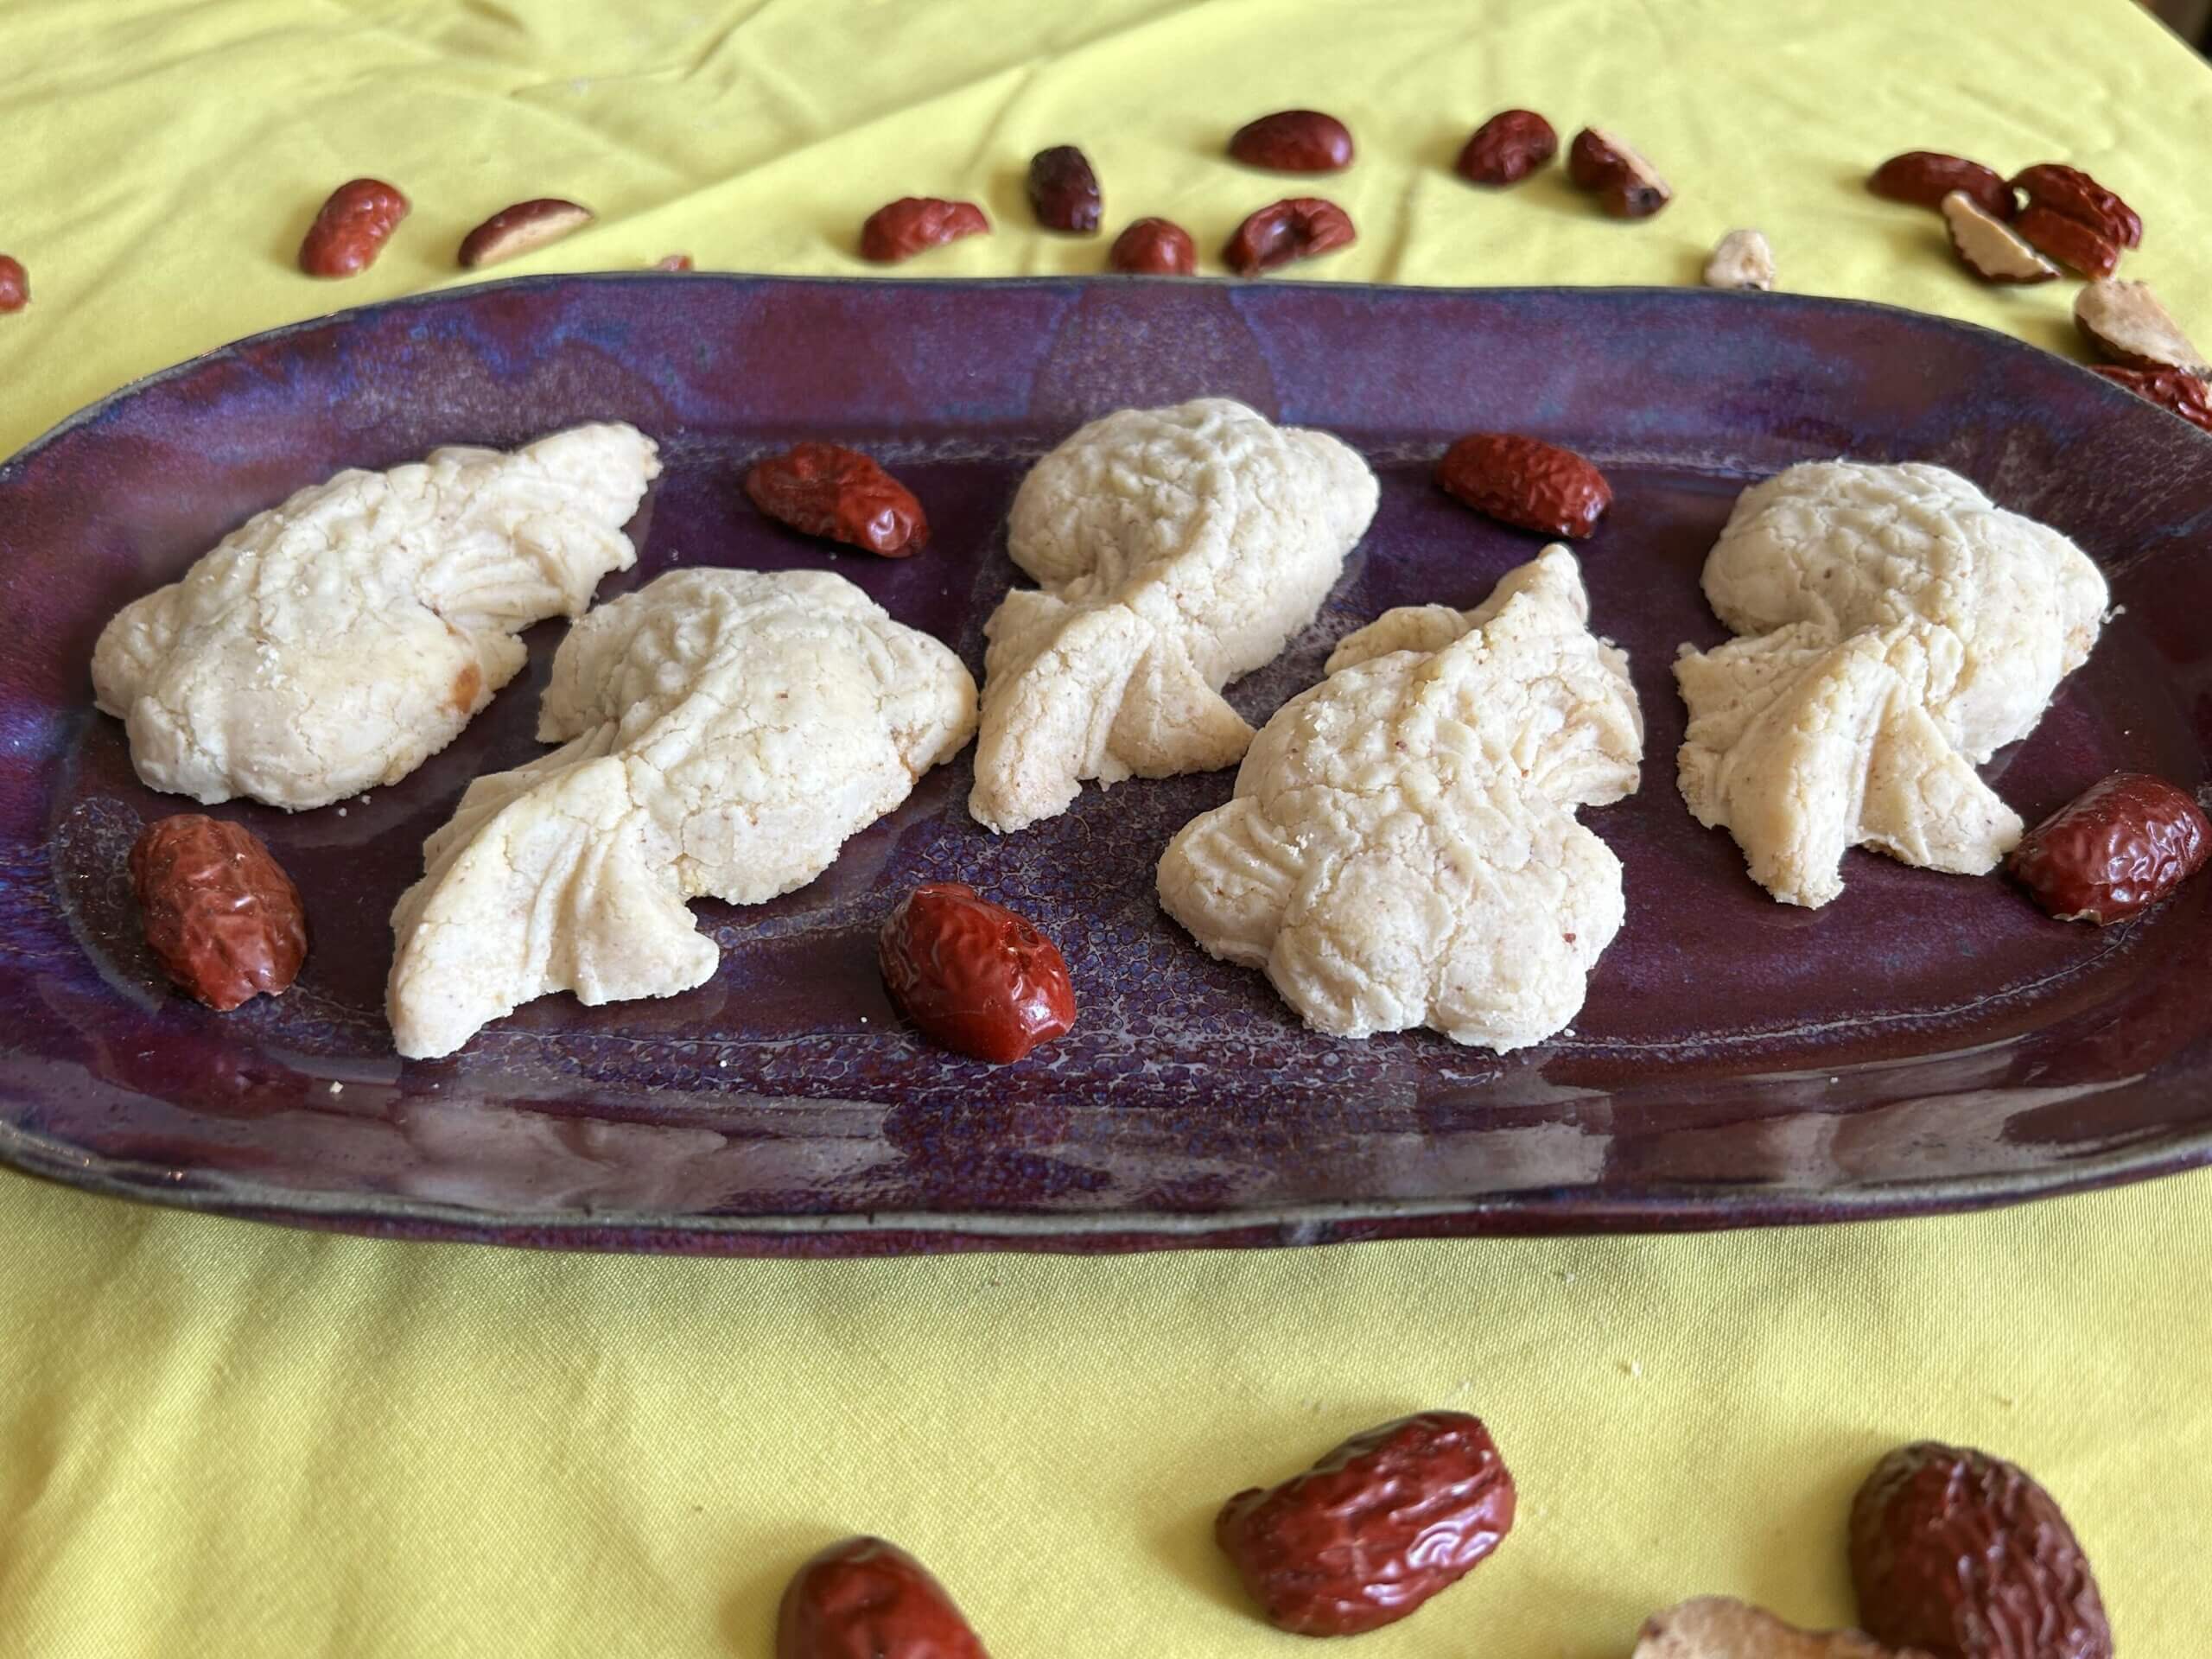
[1926, 1042]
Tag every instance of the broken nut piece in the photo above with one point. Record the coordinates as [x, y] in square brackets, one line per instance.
[521, 229]
[1743, 259]
[1718, 1627]
[1987, 247]
[1627, 186]
[2126, 323]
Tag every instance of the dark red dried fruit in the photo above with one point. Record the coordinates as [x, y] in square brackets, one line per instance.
[1375, 1529]
[903, 228]
[1627, 185]
[2071, 191]
[1302, 227]
[865, 1598]
[2176, 391]
[1526, 481]
[1064, 191]
[828, 490]
[222, 917]
[1294, 141]
[15, 285]
[2117, 848]
[1507, 147]
[352, 228]
[1159, 247]
[2073, 244]
[974, 975]
[1963, 1554]
[523, 227]
[1924, 177]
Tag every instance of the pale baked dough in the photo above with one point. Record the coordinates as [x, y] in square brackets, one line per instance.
[336, 642]
[1174, 550]
[1899, 629]
[724, 732]
[1401, 848]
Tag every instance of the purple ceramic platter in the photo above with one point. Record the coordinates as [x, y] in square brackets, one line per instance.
[1925, 1043]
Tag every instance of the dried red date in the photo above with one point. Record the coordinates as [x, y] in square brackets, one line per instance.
[1375, 1529]
[2073, 244]
[1158, 247]
[865, 1598]
[1924, 177]
[1064, 191]
[2116, 850]
[911, 225]
[222, 917]
[1294, 141]
[2175, 390]
[1526, 481]
[828, 490]
[1626, 184]
[1963, 1554]
[1301, 227]
[1507, 147]
[2071, 191]
[974, 975]
[352, 228]
[15, 285]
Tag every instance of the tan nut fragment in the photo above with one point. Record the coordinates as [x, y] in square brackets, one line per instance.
[1989, 247]
[522, 228]
[1742, 259]
[1717, 1627]
[2127, 325]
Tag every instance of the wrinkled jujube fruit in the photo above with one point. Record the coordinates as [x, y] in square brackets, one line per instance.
[2117, 848]
[352, 228]
[1507, 147]
[1526, 481]
[1301, 227]
[1064, 191]
[1924, 177]
[1294, 141]
[973, 976]
[910, 225]
[221, 915]
[1159, 247]
[865, 1598]
[828, 490]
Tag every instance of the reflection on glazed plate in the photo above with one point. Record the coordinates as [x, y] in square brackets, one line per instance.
[1925, 1043]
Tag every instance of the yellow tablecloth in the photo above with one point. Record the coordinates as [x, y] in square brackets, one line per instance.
[229, 1439]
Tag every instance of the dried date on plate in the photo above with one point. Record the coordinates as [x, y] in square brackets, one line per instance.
[912, 225]
[1924, 177]
[1964, 1554]
[1294, 141]
[1375, 1529]
[222, 917]
[1064, 191]
[827, 490]
[2115, 850]
[864, 1598]
[972, 976]
[2175, 390]
[1508, 147]
[1526, 481]
[1282, 232]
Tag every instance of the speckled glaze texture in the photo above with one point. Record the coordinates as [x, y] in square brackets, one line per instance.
[1926, 1042]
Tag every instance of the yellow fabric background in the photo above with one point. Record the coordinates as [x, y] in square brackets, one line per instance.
[222, 1438]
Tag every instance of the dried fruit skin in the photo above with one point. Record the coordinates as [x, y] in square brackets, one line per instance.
[2071, 191]
[827, 490]
[2074, 245]
[1964, 1554]
[672, 261]
[2172, 389]
[865, 1598]
[974, 975]
[1508, 147]
[1924, 177]
[1294, 141]
[1064, 191]
[1375, 1529]
[1628, 186]
[352, 228]
[1989, 247]
[15, 285]
[1526, 481]
[1158, 247]
[522, 228]
[903, 228]
[2124, 322]
[1300, 227]
[2117, 848]
[222, 917]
